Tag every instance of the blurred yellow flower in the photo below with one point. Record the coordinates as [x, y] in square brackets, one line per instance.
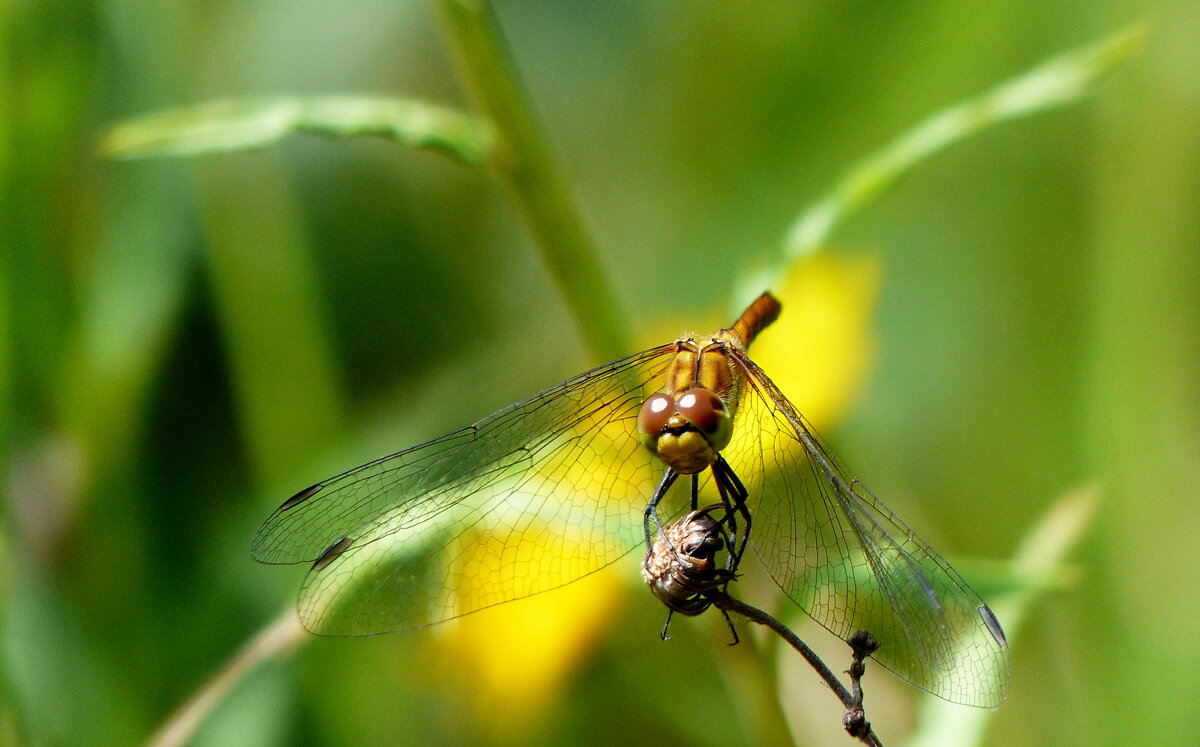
[820, 349]
[509, 661]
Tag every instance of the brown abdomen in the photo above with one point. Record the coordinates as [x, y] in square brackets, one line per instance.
[756, 317]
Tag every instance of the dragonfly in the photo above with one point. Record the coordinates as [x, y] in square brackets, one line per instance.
[562, 484]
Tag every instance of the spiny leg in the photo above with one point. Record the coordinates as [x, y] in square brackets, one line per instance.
[732, 630]
[728, 525]
[740, 494]
[730, 568]
[733, 495]
[651, 512]
[729, 519]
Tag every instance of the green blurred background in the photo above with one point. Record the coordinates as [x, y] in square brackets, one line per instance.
[185, 344]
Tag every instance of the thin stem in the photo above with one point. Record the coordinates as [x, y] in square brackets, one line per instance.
[277, 638]
[723, 601]
[523, 162]
[862, 648]
[752, 684]
[1061, 80]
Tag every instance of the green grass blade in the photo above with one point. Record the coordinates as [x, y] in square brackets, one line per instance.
[1061, 80]
[273, 318]
[524, 164]
[1039, 559]
[130, 302]
[224, 126]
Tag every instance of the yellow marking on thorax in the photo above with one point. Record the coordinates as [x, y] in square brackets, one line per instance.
[705, 363]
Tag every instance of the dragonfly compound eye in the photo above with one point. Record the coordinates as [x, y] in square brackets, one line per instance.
[708, 413]
[653, 418]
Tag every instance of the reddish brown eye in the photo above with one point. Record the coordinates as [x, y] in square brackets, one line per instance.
[703, 409]
[654, 415]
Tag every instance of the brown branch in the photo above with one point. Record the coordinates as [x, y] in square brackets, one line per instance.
[862, 643]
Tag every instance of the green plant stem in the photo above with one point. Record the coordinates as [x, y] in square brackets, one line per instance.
[1040, 556]
[752, 684]
[523, 163]
[278, 638]
[265, 290]
[1061, 80]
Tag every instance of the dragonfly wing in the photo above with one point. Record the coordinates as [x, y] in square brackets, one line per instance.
[852, 564]
[528, 499]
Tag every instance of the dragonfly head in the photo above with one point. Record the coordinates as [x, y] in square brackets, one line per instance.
[686, 431]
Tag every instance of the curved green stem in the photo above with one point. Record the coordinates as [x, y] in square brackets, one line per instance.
[523, 162]
[278, 638]
[1061, 80]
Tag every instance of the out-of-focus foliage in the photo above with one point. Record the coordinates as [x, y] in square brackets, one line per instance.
[184, 344]
[226, 126]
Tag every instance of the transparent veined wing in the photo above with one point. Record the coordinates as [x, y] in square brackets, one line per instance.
[852, 564]
[528, 499]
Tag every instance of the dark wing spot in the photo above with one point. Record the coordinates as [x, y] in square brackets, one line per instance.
[301, 497]
[332, 553]
[993, 625]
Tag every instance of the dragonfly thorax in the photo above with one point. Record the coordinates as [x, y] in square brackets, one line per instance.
[686, 431]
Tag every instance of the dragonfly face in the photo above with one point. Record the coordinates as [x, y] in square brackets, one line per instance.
[690, 421]
[686, 432]
[569, 480]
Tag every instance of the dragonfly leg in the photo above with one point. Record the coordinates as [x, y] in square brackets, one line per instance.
[651, 513]
[733, 495]
[727, 526]
[729, 530]
[732, 630]
[729, 521]
[728, 621]
[695, 491]
[666, 625]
